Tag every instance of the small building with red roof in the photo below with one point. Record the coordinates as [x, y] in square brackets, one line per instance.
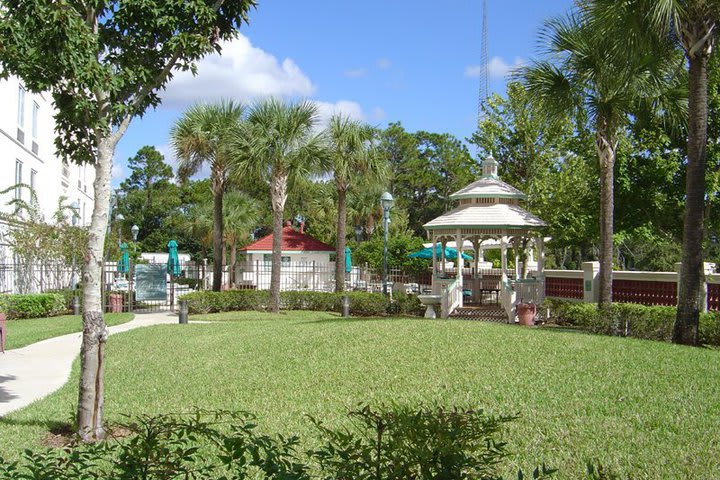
[305, 260]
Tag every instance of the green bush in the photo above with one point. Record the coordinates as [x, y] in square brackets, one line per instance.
[361, 303]
[629, 320]
[395, 443]
[405, 304]
[32, 305]
[68, 295]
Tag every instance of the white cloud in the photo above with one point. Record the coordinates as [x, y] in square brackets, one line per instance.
[377, 114]
[356, 73]
[497, 68]
[242, 72]
[350, 109]
[384, 63]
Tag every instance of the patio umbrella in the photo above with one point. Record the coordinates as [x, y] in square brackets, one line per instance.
[123, 265]
[450, 253]
[348, 260]
[173, 263]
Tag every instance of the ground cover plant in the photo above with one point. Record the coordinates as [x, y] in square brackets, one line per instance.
[578, 397]
[30, 330]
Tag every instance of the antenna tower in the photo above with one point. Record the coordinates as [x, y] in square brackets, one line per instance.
[483, 90]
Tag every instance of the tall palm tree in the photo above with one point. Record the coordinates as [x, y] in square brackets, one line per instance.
[585, 75]
[241, 213]
[201, 137]
[692, 25]
[353, 157]
[279, 145]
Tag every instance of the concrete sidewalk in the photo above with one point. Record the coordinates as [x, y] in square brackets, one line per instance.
[35, 371]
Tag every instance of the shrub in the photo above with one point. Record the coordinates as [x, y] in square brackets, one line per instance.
[227, 301]
[379, 444]
[365, 304]
[630, 320]
[405, 304]
[68, 295]
[32, 305]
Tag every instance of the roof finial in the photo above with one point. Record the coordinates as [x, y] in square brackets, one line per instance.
[490, 167]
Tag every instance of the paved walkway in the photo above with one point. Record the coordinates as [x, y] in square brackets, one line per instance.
[35, 371]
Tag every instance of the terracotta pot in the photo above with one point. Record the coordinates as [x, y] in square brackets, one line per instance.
[116, 303]
[526, 313]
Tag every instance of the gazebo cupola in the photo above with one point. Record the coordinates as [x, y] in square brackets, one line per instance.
[488, 209]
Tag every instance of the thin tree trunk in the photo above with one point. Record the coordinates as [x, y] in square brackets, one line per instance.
[95, 332]
[340, 242]
[685, 330]
[217, 234]
[605, 144]
[278, 195]
[233, 261]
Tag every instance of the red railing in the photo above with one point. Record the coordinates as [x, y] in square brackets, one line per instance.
[645, 292]
[713, 299]
[564, 287]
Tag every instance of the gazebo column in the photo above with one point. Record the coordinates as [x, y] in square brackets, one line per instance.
[434, 261]
[540, 242]
[516, 252]
[443, 245]
[503, 258]
[460, 262]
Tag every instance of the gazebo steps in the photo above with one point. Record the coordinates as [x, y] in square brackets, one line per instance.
[489, 313]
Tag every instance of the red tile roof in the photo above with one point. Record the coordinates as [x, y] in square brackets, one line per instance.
[292, 241]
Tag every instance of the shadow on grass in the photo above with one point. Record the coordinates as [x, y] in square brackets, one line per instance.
[340, 319]
[52, 426]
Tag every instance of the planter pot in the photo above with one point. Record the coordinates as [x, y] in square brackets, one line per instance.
[116, 303]
[526, 313]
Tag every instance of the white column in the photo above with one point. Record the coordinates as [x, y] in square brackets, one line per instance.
[516, 252]
[460, 263]
[540, 243]
[434, 258]
[443, 244]
[591, 281]
[503, 257]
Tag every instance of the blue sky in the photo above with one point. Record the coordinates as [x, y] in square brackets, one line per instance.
[379, 61]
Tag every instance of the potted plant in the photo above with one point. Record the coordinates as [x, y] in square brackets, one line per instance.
[115, 301]
[526, 313]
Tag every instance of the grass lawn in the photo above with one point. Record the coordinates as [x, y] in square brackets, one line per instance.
[30, 330]
[646, 409]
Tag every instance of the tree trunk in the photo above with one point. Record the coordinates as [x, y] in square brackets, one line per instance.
[217, 233]
[685, 330]
[340, 242]
[278, 196]
[95, 332]
[605, 144]
[233, 262]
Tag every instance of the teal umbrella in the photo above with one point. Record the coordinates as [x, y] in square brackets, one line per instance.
[173, 263]
[124, 262]
[450, 253]
[348, 260]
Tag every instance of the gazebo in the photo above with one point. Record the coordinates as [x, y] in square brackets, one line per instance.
[489, 209]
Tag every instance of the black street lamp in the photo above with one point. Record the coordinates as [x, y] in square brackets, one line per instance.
[386, 201]
[358, 233]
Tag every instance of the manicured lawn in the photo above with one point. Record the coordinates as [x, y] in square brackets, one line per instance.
[30, 330]
[646, 409]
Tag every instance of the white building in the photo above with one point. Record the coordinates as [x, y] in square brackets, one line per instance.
[27, 136]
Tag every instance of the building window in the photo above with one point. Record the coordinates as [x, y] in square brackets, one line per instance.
[18, 179]
[21, 107]
[267, 261]
[33, 178]
[35, 113]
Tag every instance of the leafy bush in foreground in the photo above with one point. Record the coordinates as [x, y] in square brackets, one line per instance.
[379, 444]
[629, 320]
[32, 305]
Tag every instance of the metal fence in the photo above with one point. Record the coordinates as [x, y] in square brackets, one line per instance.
[37, 277]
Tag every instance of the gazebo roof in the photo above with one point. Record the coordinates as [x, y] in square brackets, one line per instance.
[490, 216]
[488, 187]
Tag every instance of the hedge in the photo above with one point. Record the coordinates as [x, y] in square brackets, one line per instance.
[362, 304]
[629, 320]
[32, 305]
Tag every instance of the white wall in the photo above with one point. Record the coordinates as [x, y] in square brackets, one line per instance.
[51, 179]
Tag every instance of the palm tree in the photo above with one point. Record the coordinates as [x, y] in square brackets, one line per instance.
[278, 145]
[240, 213]
[201, 137]
[353, 157]
[587, 77]
[692, 25]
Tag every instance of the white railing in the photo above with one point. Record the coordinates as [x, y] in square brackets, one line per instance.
[528, 291]
[451, 297]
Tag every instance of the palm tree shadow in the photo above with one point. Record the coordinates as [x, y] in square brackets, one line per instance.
[5, 395]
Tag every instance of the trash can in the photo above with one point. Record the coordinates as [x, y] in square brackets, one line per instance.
[116, 302]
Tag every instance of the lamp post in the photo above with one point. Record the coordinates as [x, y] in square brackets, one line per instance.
[119, 218]
[134, 230]
[358, 233]
[386, 201]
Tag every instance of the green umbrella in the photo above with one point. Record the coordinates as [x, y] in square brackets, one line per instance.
[124, 262]
[450, 253]
[173, 263]
[348, 260]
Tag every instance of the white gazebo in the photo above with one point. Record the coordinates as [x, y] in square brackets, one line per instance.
[489, 210]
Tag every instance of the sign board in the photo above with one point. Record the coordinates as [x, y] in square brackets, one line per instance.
[151, 282]
[588, 285]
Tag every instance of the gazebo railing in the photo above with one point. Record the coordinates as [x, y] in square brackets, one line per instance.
[451, 297]
[508, 299]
